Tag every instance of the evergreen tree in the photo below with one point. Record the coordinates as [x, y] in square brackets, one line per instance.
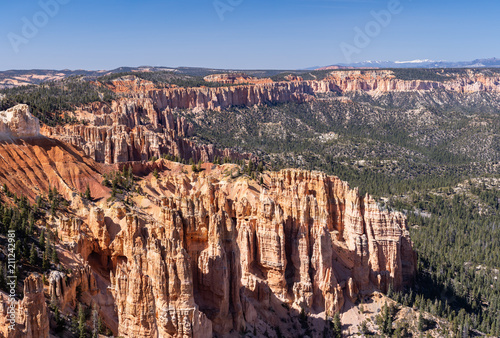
[96, 323]
[55, 257]
[87, 193]
[337, 326]
[58, 319]
[385, 320]
[363, 328]
[3, 283]
[82, 328]
[42, 238]
[33, 254]
[421, 322]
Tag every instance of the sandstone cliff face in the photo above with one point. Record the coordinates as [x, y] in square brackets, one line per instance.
[30, 167]
[198, 254]
[33, 310]
[382, 81]
[32, 319]
[142, 124]
[134, 130]
[235, 78]
[17, 122]
[213, 255]
[223, 97]
[300, 91]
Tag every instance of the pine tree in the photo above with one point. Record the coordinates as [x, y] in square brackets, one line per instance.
[51, 196]
[421, 322]
[385, 321]
[45, 261]
[363, 328]
[19, 249]
[337, 326]
[303, 318]
[260, 167]
[87, 193]
[55, 257]
[42, 238]
[58, 319]
[82, 329]
[96, 323]
[390, 291]
[2, 277]
[130, 175]
[250, 167]
[33, 254]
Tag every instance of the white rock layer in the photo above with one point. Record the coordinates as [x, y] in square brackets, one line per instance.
[17, 122]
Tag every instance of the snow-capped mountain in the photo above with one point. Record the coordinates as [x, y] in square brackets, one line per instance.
[425, 63]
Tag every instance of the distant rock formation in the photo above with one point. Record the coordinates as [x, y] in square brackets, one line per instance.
[143, 124]
[135, 130]
[17, 122]
[236, 78]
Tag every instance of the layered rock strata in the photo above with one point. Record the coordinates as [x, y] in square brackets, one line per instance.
[17, 122]
[144, 124]
[31, 318]
[214, 255]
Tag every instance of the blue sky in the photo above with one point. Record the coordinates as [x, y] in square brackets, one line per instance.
[253, 34]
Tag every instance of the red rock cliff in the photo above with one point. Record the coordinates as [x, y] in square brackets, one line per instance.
[142, 125]
[214, 254]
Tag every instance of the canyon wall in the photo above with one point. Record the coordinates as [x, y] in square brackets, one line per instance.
[143, 124]
[300, 91]
[209, 253]
[134, 130]
[31, 318]
[383, 81]
[218, 256]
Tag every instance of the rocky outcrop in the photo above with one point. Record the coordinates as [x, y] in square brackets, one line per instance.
[143, 124]
[203, 254]
[218, 98]
[17, 122]
[384, 81]
[31, 318]
[32, 312]
[129, 84]
[31, 167]
[236, 78]
[292, 77]
[213, 255]
[134, 130]
[63, 288]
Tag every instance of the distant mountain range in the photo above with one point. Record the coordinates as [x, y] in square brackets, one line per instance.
[16, 78]
[478, 63]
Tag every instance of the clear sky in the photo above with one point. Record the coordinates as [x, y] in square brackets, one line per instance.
[105, 34]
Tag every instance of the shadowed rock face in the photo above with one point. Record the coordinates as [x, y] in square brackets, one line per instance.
[32, 318]
[197, 254]
[212, 254]
[135, 130]
[17, 122]
[142, 124]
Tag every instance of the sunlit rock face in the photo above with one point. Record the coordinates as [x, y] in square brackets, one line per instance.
[213, 255]
[17, 122]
